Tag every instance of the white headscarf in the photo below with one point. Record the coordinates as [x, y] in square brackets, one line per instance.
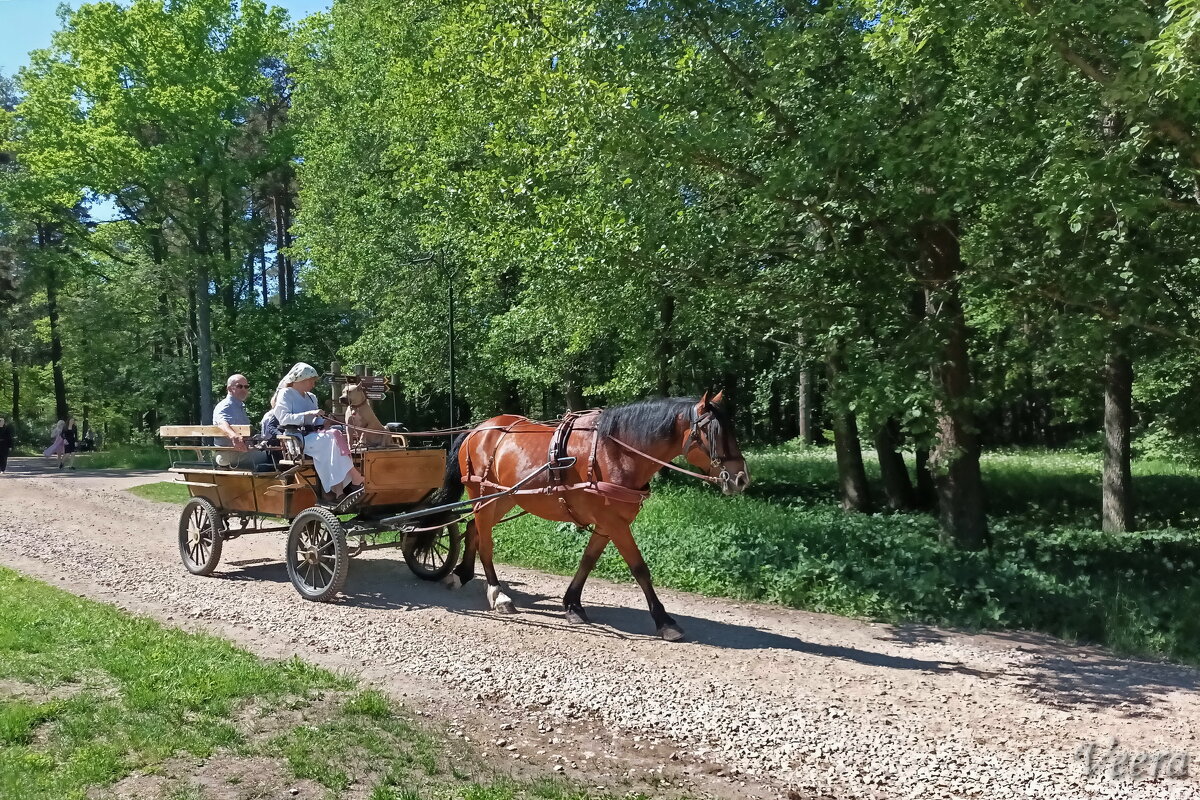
[298, 372]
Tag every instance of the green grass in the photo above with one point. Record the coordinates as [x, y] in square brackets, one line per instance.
[163, 492]
[1050, 569]
[90, 695]
[125, 457]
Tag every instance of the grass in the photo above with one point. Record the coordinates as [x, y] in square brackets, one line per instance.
[101, 695]
[163, 492]
[125, 456]
[1050, 569]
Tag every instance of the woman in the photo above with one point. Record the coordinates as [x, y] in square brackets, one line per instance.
[6, 443]
[58, 447]
[70, 436]
[295, 404]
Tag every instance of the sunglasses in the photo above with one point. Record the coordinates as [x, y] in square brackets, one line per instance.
[241, 386]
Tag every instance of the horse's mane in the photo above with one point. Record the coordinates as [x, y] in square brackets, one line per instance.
[646, 421]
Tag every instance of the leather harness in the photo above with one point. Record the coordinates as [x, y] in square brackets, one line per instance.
[574, 422]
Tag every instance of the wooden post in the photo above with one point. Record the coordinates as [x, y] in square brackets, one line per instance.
[335, 389]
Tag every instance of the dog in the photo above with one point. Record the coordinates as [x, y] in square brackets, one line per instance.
[359, 414]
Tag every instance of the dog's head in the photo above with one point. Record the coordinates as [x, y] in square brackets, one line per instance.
[352, 395]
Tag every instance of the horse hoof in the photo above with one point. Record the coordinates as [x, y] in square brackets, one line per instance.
[670, 633]
[452, 581]
[577, 617]
[507, 607]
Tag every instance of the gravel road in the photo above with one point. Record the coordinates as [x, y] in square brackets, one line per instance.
[757, 702]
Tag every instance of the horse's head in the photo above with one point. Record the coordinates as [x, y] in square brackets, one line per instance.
[711, 446]
[352, 395]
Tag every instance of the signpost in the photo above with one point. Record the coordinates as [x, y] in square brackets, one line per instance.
[376, 387]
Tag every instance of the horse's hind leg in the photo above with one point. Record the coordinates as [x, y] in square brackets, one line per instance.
[572, 599]
[497, 599]
[622, 537]
[465, 570]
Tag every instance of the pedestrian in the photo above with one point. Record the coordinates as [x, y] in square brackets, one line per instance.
[6, 443]
[58, 447]
[70, 442]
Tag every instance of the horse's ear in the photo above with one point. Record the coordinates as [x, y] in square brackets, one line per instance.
[719, 399]
[703, 404]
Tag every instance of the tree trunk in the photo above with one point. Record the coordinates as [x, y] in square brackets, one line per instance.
[665, 350]
[574, 394]
[954, 458]
[203, 318]
[804, 415]
[852, 477]
[897, 486]
[61, 409]
[283, 266]
[926, 489]
[16, 389]
[229, 280]
[1118, 418]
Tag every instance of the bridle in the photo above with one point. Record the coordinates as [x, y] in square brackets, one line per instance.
[707, 422]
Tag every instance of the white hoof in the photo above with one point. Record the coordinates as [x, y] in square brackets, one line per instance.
[452, 581]
[499, 601]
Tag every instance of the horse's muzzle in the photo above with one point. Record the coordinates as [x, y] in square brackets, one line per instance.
[734, 484]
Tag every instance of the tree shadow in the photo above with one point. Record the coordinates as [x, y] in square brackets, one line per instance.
[1066, 675]
[913, 634]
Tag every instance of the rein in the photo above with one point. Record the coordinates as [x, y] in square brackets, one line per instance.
[697, 475]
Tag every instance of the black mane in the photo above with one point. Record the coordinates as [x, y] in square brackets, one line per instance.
[646, 421]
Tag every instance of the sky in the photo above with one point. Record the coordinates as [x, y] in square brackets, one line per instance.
[27, 24]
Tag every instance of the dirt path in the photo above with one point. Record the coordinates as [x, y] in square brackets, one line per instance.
[758, 702]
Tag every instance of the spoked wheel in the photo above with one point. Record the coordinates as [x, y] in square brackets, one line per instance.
[440, 559]
[318, 558]
[200, 536]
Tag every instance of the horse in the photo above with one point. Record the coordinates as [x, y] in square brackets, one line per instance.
[362, 426]
[597, 477]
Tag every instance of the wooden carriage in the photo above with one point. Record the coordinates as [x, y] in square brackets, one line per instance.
[283, 495]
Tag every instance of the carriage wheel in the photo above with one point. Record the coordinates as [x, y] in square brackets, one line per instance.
[318, 558]
[200, 536]
[441, 558]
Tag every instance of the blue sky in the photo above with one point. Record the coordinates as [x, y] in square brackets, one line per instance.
[27, 24]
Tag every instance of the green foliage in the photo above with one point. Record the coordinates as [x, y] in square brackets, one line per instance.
[1049, 569]
[101, 695]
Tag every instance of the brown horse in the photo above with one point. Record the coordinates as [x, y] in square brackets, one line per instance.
[615, 452]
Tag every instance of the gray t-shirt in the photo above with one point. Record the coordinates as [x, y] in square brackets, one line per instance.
[231, 411]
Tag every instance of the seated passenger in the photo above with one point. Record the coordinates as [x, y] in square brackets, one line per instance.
[295, 405]
[229, 412]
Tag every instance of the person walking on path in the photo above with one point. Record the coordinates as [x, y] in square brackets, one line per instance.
[6, 443]
[70, 436]
[58, 447]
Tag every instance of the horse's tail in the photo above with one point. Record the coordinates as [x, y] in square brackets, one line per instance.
[451, 491]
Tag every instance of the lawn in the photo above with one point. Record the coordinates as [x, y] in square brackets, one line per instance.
[1050, 569]
[90, 695]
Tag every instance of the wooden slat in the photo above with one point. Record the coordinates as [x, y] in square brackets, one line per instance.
[200, 430]
[204, 447]
[196, 483]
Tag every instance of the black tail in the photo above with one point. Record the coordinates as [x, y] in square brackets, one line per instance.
[451, 491]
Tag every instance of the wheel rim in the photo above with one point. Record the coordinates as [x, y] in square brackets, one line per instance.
[439, 553]
[315, 556]
[200, 536]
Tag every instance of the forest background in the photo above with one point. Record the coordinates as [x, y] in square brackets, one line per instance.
[920, 227]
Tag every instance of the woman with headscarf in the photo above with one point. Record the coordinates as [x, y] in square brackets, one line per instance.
[295, 404]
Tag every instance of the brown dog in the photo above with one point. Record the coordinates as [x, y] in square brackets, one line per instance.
[359, 414]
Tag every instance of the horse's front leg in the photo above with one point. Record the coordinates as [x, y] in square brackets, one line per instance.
[571, 600]
[497, 599]
[622, 537]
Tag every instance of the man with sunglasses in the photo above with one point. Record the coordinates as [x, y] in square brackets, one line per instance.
[229, 412]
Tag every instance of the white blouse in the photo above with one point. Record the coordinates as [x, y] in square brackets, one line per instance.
[294, 408]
